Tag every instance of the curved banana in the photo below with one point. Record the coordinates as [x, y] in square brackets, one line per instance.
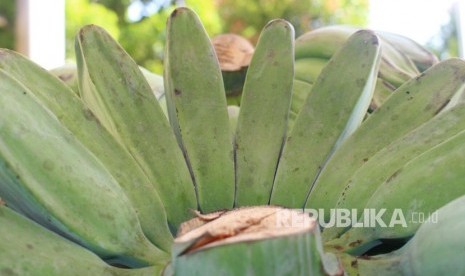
[76, 116]
[123, 102]
[28, 248]
[413, 104]
[346, 84]
[48, 175]
[262, 122]
[198, 111]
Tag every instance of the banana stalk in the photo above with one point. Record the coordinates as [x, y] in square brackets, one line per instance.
[263, 119]
[253, 241]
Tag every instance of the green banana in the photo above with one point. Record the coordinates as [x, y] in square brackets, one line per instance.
[411, 105]
[346, 84]
[29, 249]
[124, 104]
[434, 178]
[436, 248]
[395, 67]
[155, 81]
[308, 69]
[300, 91]
[422, 58]
[197, 109]
[322, 42]
[68, 74]
[73, 114]
[390, 159]
[233, 114]
[48, 175]
[262, 123]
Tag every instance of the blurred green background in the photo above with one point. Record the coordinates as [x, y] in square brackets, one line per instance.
[139, 24]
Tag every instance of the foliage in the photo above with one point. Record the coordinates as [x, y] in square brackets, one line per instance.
[7, 28]
[83, 12]
[445, 44]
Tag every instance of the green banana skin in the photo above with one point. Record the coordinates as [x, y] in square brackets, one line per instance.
[300, 92]
[73, 114]
[262, 123]
[422, 58]
[436, 248]
[48, 175]
[155, 81]
[322, 42]
[414, 103]
[68, 74]
[434, 178]
[124, 103]
[318, 130]
[308, 69]
[27, 248]
[197, 109]
[390, 159]
[233, 113]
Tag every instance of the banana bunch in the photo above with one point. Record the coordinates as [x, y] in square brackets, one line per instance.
[131, 173]
[401, 58]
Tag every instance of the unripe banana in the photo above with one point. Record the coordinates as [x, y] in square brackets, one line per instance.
[76, 116]
[396, 66]
[68, 74]
[262, 123]
[436, 248]
[434, 178]
[300, 92]
[125, 105]
[308, 69]
[346, 84]
[233, 113]
[193, 79]
[48, 175]
[388, 161]
[413, 104]
[26, 248]
[155, 81]
[422, 58]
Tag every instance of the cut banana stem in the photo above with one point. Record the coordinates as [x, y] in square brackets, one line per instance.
[413, 104]
[254, 241]
[197, 109]
[124, 103]
[262, 123]
[48, 175]
[77, 117]
[335, 107]
[29, 249]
